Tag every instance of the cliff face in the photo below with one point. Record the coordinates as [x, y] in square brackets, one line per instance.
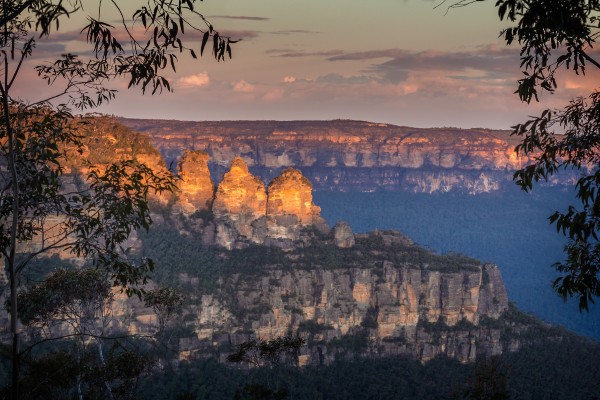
[386, 297]
[349, 155]
[240, 192]
[291, 194]
[290, 206]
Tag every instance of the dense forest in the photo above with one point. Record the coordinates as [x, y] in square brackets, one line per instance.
[572, 374]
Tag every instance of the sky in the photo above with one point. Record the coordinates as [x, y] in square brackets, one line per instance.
[405, 62]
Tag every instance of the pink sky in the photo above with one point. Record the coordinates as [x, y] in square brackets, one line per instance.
[400, 62]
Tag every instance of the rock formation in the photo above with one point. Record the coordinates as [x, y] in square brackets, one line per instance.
[342, 235]
[420, 307]
[240, 207]
[240, 192]
[291, 194]
[290, 206]
[391, 304]
[244, 213]
[196, 188]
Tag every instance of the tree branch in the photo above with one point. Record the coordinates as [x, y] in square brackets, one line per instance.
[591, 60]
[6, 18]
[26, 49]
[51, 339]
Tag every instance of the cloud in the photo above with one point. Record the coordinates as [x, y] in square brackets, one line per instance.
[337, 79]
[294, 79]
[141, 35]
[243, 87]
[238, 34]
[194, 81]
[67, 36]
[48, 51]
[290, 53]
[293, 31]
[485, 62]
[242, 17]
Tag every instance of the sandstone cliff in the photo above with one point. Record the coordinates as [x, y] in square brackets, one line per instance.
[290, 206]
[385, 296]
[349, 155]
[370, 295]
[196, 189]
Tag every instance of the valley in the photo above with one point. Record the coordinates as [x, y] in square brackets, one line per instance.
[345, 270]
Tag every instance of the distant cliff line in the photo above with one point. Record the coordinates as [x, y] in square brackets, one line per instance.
[345, 155]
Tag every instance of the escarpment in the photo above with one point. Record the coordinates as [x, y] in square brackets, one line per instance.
[349, 155]
[376, 294]
[382, 297]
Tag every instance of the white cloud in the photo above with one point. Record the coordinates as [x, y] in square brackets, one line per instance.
[198, 80]
[243, 86]
[289, 79]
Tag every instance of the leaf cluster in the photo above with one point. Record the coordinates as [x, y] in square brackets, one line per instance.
[91, 220]
[66, 294]
[552, 34]
[165, 302]
[56, 374]
[139, 48]
[577, 149]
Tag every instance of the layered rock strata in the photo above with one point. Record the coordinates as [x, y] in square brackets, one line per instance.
[387, 309]
[393, 305]
[195, 186]
[350, 155]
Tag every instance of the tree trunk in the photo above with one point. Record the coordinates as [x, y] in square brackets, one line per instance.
[101, 354]
[10, 260]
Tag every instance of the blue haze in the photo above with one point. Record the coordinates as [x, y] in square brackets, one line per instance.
[508, 228]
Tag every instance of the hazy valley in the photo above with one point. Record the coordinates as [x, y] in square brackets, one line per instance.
[258, 252]
[450, 189]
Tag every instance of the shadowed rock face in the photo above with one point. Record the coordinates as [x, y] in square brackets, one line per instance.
[417, 307]
[196, 187]
[391, 305]
[342, 235]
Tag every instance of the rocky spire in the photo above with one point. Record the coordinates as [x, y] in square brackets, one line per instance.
[290, 207]
[240, 192]
[291, 194]
[240, 206]
[196, 187]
